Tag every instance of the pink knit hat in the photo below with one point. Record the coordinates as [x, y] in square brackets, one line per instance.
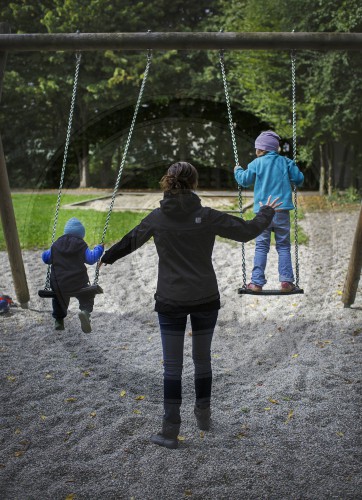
[267, 141]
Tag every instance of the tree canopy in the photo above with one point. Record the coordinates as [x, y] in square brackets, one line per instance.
[38, 86]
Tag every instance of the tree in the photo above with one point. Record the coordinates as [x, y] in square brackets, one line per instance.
[328, 83]
[105, 77]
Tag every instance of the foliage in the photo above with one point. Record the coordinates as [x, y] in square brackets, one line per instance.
[328, 83]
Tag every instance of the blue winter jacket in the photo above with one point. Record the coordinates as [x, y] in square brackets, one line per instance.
[271, 174]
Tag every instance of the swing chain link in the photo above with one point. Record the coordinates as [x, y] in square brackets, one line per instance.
[78, 58]
[235, 150]
[125, 151]
[294, 131]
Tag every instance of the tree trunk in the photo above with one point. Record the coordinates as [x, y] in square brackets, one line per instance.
[322, 175]
[345, 157]
[183, 149]
[330, 169]
[83, 164]
[106, 173]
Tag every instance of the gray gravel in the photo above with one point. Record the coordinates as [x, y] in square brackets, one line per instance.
[77, 409]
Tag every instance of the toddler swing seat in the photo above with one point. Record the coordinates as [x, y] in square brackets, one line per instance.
[88, 290]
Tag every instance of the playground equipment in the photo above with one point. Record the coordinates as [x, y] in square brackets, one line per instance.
[141, 41]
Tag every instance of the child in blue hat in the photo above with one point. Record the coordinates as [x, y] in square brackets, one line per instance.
[271, 174]
[68, 256]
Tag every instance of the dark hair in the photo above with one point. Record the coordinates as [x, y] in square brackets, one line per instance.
[180, 175]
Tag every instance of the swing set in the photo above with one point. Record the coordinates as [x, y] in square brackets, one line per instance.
[140, 41]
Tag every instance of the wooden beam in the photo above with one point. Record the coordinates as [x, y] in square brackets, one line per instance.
[355, 266]
[180, 41]
[7, 212]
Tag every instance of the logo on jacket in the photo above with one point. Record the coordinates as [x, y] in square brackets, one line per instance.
[198, 220]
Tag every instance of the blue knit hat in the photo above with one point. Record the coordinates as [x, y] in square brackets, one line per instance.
[267, 141]
[74, 227]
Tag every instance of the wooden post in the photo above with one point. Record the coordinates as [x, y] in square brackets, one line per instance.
[355, 266]
[7, 212]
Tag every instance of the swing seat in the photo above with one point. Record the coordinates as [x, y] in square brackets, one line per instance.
[88, 290]
[247, 291]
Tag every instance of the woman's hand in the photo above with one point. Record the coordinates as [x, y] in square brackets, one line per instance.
[272, 203]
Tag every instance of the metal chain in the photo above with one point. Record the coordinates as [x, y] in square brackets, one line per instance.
[235, 150]
[78, 58]
[120, 171]
[294, 125]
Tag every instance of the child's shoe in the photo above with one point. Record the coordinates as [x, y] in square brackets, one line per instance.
[254, 287]
[84, 317]
[286, 286]
[59, 324]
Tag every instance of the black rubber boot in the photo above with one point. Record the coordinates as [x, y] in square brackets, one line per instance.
[168, 436]
[59, 324]
[203, 418]
[85, 324]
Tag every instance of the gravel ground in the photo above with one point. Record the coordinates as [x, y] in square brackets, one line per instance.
[77, 409]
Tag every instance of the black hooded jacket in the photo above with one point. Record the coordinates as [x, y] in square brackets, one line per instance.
[184, 234]
[68, 273]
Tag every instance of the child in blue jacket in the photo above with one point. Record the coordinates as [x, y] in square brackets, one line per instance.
[68, 256]
[271, 174]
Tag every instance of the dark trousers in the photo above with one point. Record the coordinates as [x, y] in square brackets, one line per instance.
[61, 304]
[172, 336]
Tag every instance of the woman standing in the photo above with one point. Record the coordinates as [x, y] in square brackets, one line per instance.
[184, 234]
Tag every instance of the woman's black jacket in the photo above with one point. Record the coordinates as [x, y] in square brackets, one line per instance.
[184, 234]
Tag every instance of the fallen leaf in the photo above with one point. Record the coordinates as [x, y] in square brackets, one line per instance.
[18, 453]
[70, 400]
[93, 414]
[289, 416]
[245, 410]
[139, 398]
[340, 434]
[17, 431]
[190, 334]
[285, 398]
[137, 412]
[10, 378]
[241, 435]
[274, 401]
[71, 496]
[216, 356]
[295, 355]
[43, 417]
[188, 493]
[48, 376]
[122, 394]
[202, 434]
[86, 373]
[339, 292]
[267, 408]
[181, 438]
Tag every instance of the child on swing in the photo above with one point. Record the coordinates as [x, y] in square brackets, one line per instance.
[68, 256]
[271, 174]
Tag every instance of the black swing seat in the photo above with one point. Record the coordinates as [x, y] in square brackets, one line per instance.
[246, 291]
[87, 290]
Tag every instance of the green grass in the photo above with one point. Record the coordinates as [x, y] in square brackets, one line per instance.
[34, 215]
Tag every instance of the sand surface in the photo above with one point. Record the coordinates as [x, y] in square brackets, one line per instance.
[77, 409]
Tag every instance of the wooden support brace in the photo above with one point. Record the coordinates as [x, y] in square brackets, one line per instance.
[7, 213]
[355, 266]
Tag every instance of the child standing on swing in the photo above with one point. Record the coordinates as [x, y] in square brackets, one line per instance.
[271, 174]
[68, 256]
